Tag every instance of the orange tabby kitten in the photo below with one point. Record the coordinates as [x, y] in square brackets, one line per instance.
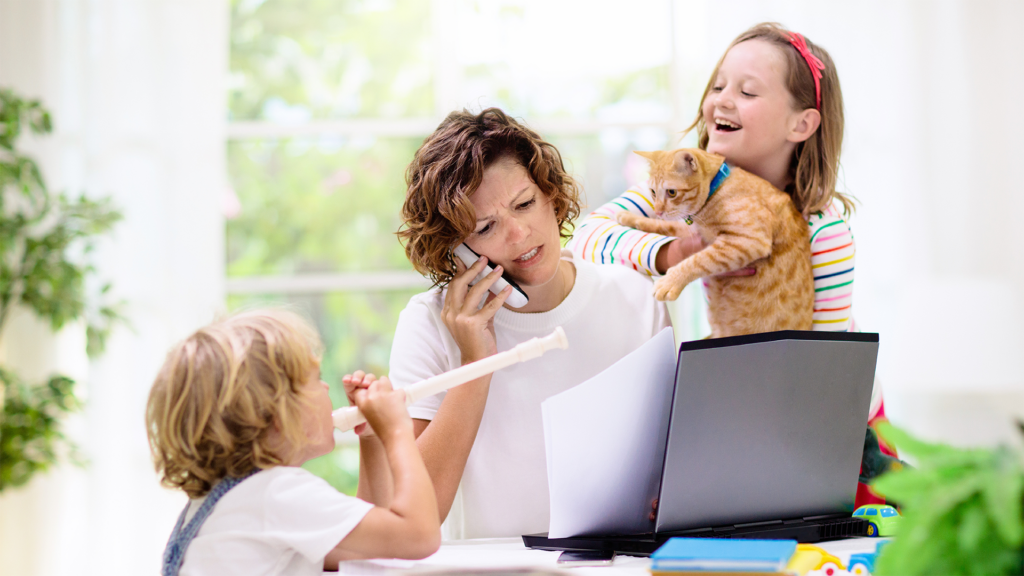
[743, 221]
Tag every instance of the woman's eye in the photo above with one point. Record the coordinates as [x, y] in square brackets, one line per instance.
[747, 94]
[670, 193]
[484, 230]
[717, 88]
[527, 204]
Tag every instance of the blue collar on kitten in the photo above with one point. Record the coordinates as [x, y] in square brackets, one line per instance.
[716, 183]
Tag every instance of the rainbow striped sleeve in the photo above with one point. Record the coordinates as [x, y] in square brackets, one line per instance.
[832, 259]
[600, 239]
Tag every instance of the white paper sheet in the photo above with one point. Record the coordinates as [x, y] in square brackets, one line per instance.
[605, 442]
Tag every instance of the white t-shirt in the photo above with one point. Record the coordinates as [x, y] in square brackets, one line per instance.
[504, 491]
[283, 520]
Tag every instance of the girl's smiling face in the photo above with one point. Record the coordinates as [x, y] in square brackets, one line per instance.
[749, 111]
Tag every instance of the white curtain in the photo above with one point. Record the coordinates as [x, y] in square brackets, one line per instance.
[136, 89]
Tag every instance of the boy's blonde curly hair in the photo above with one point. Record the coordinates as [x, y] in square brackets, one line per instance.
[222, 390]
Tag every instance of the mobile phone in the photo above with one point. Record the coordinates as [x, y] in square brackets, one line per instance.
[517, 299]
[586, 557]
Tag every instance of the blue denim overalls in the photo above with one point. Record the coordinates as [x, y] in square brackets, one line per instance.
[180, 538]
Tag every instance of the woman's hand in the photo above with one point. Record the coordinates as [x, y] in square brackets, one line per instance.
[471, 325]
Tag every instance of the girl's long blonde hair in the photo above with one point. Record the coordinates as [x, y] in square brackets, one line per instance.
[814, 168]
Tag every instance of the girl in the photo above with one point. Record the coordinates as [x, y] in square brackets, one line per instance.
[773, 107]
[235, 410]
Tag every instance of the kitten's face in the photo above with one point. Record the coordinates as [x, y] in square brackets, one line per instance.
[679, 182]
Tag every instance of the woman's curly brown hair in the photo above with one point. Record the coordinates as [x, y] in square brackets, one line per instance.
[448, 168]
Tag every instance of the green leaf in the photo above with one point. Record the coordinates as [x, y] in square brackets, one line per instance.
[31, 439]
[1003, 490]
[973, 527]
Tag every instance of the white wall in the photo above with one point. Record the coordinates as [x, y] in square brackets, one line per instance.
[137, 93]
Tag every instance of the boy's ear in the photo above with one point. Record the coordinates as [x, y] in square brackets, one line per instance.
[685, 163]
[804, 124]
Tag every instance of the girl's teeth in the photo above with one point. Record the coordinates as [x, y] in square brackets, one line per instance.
[725, 123]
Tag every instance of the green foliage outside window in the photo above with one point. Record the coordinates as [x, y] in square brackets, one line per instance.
[317, 205]
[330, 59]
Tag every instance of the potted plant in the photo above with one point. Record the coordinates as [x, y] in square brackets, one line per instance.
[45, 240]
[961, 507]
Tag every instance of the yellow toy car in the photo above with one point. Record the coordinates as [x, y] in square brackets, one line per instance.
[809, 558]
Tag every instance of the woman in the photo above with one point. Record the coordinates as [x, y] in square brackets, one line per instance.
[488, 181]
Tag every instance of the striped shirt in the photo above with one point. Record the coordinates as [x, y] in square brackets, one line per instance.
[599, 238]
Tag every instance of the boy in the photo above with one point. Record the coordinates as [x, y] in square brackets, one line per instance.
[235, 410]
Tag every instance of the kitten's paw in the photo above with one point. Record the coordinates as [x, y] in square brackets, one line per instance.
[665, 289]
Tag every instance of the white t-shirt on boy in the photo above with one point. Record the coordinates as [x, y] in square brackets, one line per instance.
[282, 520]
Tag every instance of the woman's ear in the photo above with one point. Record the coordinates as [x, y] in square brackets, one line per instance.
[804, 124]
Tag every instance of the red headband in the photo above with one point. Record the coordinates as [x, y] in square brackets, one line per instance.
[813, 62]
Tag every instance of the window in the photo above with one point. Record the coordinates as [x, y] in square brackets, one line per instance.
[328, 101]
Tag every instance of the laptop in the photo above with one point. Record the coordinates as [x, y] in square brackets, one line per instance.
[764, 440]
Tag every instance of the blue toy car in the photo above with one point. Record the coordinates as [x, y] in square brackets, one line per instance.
[864, 564]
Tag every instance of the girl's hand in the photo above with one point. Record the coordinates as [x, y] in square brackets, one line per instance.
[471, 325]
[384, 409]
[353, 383]
[676, 251]
[682, 248]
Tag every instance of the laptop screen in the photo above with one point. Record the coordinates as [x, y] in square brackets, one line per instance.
[766, 427]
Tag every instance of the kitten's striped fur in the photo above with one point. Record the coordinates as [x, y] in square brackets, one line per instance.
[747, 222]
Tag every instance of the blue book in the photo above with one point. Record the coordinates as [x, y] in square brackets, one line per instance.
[722, 555]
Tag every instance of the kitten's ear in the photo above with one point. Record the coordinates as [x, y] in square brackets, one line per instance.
[648, 155]
[686, 163]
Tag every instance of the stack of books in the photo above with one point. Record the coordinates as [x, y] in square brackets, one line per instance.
[723, 557]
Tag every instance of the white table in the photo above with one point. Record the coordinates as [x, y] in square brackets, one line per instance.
[487, 555]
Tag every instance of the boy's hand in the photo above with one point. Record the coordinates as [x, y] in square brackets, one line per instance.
[384, 409]
[358, 381]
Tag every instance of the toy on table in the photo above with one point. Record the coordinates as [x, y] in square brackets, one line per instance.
[863, 564]
[812, 559]
[882, 519]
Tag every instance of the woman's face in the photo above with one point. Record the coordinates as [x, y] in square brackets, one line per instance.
[749, 112]
[516, 225]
